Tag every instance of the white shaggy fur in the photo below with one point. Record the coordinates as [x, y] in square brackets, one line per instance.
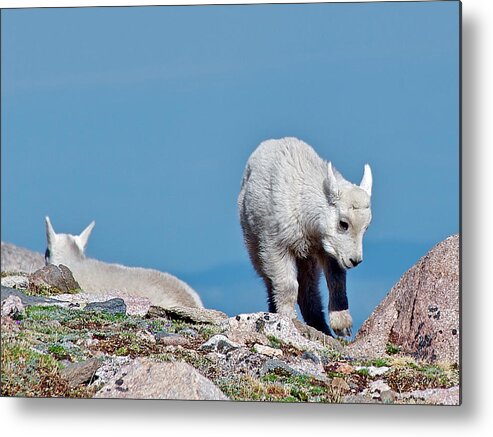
[300, 216]
[99, 277]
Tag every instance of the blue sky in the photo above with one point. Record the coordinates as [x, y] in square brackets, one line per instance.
[143, 118]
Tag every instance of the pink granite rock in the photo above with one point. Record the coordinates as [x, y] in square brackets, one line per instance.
[421, 312]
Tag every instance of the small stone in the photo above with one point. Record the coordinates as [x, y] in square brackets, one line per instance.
[278, 367]
[89, 342]
[354, 387]
[387, 396]
[219, 343]
[167, 339]
[374, 371]
[188, 332]
[146, 336]
[160, 334]
[345, 368]
[312, 356]
[112, 306]
[267, 350]
[109, 368]
[80, 373]
[377, 387]
[358, 399]
[12, 307]
[339, 384]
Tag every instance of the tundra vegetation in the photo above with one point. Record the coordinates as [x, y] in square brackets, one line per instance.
[40, 342]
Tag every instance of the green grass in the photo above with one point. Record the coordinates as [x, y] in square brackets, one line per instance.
[58, 351]
[30, 373]
[380, 362]
[392, 349]
[363, 372]
[274, 342]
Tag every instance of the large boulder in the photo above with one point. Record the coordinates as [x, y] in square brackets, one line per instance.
[147, 379]
[18, 259]
[420, 314]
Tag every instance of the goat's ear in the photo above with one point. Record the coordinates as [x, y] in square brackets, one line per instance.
[50, 232]
[367, 180]
[84, 235]
[331, 186]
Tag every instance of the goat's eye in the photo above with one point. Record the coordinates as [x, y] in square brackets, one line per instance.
[343, 225]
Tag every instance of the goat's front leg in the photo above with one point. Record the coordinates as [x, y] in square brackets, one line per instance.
[340, 319]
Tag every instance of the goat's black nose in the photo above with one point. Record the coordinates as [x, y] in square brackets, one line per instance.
[355, 262]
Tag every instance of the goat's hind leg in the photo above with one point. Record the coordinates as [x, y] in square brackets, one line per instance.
[279, 272]
[253, 248]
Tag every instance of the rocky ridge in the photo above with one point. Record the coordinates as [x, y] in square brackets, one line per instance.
[67, 343]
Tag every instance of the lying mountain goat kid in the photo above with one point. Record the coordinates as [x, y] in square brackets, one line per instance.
[300, 216]
[98, 277]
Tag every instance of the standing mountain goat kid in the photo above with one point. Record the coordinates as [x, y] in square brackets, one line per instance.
[300, 217]
[99, 277]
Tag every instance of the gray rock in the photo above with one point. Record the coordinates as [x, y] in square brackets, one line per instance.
[29, 300]
[307, 367]
[219, 343]
[80, 373]
[187, 314]
[109, 369]
[388, 396]
[315, 335]
[189, 332]
[18, 259]
[54, 279]
[167, 339]
[258, 327]
[147, 379]
[435, 396]
[307, 355]
[377, 387]
[112, 306]
[279, 368]
[359, 399]
[136, 305]
[239, 361]
[162, 334]
[421, 312]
